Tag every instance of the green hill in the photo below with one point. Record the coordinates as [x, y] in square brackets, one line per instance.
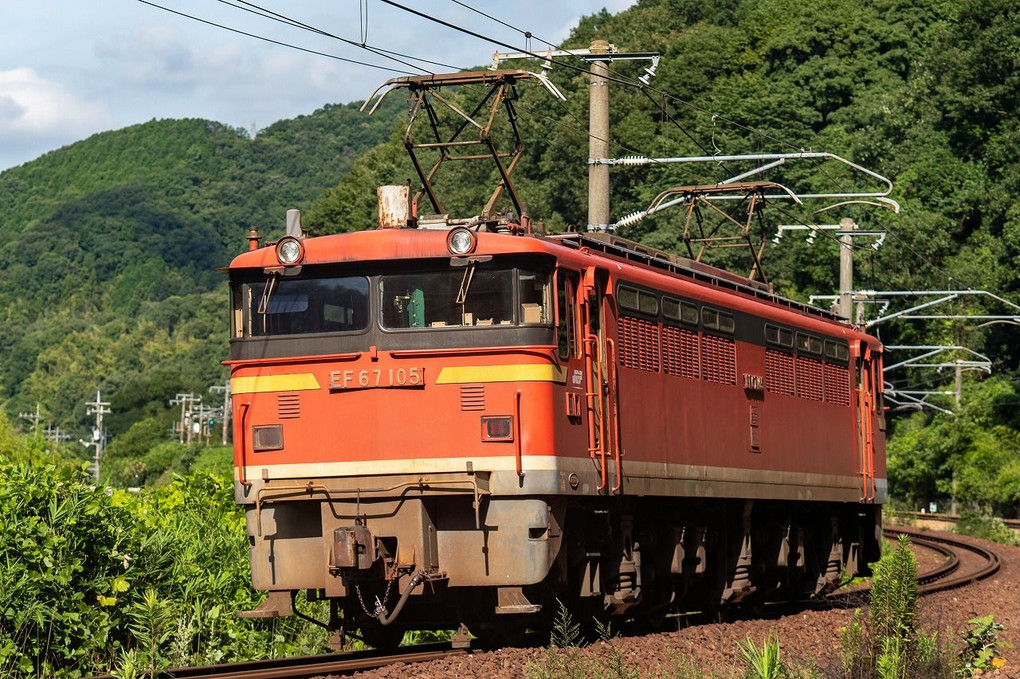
[108, 251]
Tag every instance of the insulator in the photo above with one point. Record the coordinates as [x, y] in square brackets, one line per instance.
[632, 160]
[632, 218]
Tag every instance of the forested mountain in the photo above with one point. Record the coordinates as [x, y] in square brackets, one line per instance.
[109, 245]
[108, 251]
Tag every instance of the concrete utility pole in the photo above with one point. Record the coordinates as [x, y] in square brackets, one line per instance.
[598, 138]
[227, 406]
[187, 402]
[597, 56]
[35, 418]
[959, 383]
[99, 407]
[846, 268]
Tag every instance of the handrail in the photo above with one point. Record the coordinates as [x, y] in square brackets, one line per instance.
[611, 404]
[518, 445]
[242, 475]
[596, 439]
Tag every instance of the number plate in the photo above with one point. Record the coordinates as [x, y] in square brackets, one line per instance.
[377, 378]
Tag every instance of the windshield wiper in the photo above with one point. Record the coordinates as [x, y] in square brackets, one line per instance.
[465, 282]
[267, 293]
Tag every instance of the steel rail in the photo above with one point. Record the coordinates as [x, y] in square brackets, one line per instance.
[310, 666]
[943, 577]
[990, 567]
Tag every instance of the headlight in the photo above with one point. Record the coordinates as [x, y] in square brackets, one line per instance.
[289, 250]
[461, 241]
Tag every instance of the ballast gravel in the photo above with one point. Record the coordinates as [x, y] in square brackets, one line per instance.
[807, 639]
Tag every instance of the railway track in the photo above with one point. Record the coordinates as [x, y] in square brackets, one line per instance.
[946, 576]
[311, 666]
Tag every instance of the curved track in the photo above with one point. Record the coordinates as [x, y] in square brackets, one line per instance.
[946, 576]
[312, 665]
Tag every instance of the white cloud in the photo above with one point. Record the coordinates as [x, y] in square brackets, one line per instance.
[37, 115]
[37, 107]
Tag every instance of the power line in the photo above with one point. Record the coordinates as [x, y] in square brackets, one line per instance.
[629, 82]
[527, 34]
[272, 41]
[276, 16]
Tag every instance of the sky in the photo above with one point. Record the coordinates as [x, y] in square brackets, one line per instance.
[70, 69]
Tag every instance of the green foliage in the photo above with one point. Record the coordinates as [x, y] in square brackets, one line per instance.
[986, 527]
[566, 633]
[980, 652]
[65, 550]
[765, 662]
[892, 645]
[853, 649]
[894, 600]
[973, 454]
[138, 582]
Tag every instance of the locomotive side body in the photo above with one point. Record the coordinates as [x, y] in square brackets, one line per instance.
[429, 438]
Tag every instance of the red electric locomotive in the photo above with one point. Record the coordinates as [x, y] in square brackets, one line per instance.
[460, 423]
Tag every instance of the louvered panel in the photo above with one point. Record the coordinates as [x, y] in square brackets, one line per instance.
[809, 378]
[719, 359]
[671, 350]
[472, 397]
[680, 355]
[779, 372]
[288, 406]
[691, 345]
[837, 384]
[639, 344]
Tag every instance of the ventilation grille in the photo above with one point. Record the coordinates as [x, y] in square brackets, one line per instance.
[837, 384]
[719, 359]
[809, 378]
[472, 397]
[681, 355]
[288, 406]
[779, 372]
[639, 344]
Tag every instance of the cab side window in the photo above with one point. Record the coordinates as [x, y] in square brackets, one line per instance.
[566, 322]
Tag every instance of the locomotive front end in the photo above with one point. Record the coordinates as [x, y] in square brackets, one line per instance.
[392, 394]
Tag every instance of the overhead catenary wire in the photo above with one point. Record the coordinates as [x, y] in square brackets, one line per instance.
[611, 77]
[271, 40]
[614, 77]
[276, 16]
[527, 34]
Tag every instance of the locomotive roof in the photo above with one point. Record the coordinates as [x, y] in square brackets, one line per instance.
[395, 244]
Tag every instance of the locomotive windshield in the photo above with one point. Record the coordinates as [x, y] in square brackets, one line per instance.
[464, 297]
[296, 306]
[470, 296]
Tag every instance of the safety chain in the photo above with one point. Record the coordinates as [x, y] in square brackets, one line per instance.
[378, 604]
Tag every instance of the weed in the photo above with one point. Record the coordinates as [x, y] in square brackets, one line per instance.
[763, 663]
[894, 599]
[979, 654]
[565, 632]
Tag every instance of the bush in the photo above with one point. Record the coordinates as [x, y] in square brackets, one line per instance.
[986, 527]
[93, 581]
[64, 551]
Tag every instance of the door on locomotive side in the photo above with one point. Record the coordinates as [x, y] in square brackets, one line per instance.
[600, 379]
